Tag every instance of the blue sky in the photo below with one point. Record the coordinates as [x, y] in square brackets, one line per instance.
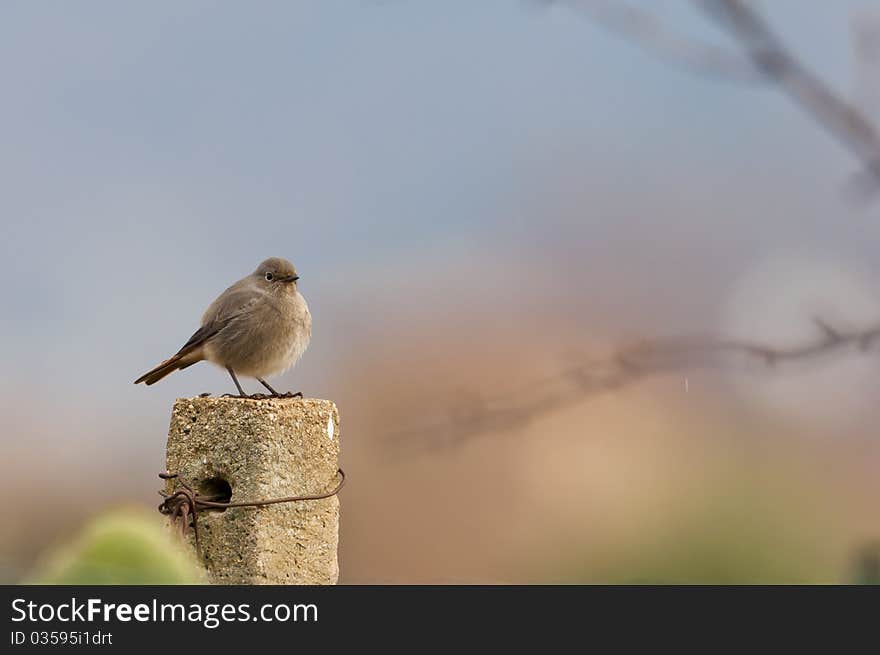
[155, 152]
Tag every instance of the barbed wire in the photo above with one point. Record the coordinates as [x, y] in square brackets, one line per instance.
[629, 365]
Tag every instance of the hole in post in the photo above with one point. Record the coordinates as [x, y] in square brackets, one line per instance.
[217, 490]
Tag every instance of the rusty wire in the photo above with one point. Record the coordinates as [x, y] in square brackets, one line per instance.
[185, 502]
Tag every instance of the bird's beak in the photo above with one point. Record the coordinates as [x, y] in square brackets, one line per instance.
[290, 278]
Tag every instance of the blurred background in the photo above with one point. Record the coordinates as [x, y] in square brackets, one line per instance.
[476, 195]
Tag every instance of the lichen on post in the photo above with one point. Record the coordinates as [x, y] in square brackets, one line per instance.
[245, 449]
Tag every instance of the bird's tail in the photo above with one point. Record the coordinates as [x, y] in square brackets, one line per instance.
[175, 363]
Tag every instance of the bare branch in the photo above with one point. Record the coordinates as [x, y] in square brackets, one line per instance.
[773, 62]
[840, 118]
[649, 32]
[866, 61]
[767, 59]
[626, 367]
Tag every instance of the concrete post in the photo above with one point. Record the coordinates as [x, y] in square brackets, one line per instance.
[260, 449]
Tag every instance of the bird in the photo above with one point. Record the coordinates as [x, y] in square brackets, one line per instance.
[259, 326]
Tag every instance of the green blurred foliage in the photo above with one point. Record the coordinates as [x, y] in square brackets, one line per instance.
[122, 546]
[732, 535]
[866, 566]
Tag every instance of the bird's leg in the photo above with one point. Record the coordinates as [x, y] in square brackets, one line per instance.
[276, 394]
[266, 384]
[241, 392]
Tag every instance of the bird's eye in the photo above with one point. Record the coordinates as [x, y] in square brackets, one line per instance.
[269, 277]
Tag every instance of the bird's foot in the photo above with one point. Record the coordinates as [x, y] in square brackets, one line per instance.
[275, 394]
[289, 394]
[258, 396]
[204, 394]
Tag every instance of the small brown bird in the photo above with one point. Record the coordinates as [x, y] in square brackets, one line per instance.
[259, 326]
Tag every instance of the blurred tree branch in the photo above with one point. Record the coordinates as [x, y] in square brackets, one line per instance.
[650, 33]
[866, 60]
[840, 118]
[766, 57]
[627, 366]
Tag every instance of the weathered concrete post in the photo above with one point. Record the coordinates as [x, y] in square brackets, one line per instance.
[260, 449]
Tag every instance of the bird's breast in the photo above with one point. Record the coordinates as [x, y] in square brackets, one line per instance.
[270, 339]
[295, 330]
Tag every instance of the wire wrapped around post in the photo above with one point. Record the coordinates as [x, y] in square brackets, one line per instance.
[185, 502]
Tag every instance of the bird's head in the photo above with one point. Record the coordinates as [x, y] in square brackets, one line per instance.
[276, 273]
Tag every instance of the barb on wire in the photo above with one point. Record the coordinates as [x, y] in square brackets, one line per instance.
[626, 367]
[185, 502]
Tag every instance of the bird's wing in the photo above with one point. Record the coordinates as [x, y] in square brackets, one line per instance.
[222, 311]
[199, 337]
